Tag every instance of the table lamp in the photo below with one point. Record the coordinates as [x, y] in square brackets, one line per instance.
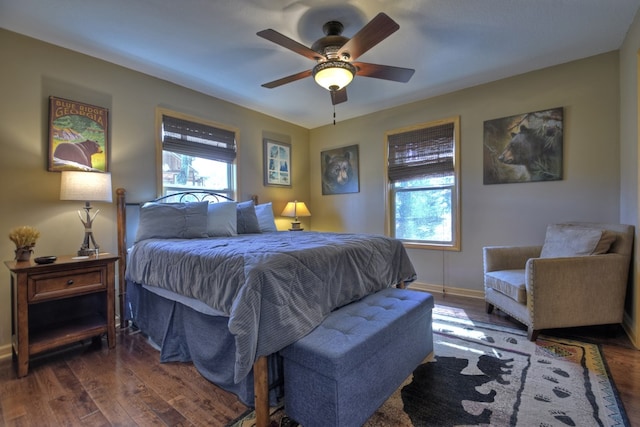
[295, 209]
[87, 187]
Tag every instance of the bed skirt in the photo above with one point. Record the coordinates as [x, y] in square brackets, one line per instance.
[185, 335]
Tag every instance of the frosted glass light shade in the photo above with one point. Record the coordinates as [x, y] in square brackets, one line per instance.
[333, 75]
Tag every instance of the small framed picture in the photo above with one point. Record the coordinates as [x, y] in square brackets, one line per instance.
[78, 136]
[277, 163]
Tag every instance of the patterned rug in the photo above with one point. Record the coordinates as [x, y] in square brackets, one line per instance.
[484, 374]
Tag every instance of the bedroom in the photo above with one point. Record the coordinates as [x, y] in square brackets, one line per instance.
[601, 158]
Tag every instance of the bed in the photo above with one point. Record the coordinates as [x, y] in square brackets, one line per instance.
[212, 281]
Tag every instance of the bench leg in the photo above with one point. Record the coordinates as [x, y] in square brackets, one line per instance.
[489, 307]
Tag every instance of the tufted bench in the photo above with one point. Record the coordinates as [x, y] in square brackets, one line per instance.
[341, 372]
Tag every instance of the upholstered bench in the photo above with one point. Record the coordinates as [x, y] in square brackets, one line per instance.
[341, 372]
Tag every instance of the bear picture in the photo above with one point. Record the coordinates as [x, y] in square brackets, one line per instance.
[524, 148]
[339, 168]
[77, 136]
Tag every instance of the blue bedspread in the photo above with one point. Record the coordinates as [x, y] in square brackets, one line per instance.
[274, 287]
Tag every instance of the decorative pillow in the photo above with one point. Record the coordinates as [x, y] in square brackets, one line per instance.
[266, 221]
[568, 240]
[172, 221]
[222, 219]
[247, 218]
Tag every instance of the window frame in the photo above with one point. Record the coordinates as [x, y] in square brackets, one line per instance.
[232, 170]
[390, 192]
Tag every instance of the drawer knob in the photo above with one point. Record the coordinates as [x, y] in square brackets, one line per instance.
[70, 282]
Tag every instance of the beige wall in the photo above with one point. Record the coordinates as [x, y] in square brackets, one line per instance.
[32, 72]
[629, 121]
[600, 151]
[491, 214]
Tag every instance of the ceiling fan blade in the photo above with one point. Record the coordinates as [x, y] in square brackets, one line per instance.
[378, 29]
[286, 42]
[288, 79]
[339, 96]
[385, 72]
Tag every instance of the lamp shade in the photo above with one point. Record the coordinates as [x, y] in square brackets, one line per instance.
[295, 209]
[333, 75]
[86, 186]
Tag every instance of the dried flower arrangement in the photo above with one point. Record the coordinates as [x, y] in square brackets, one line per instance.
[24, 236]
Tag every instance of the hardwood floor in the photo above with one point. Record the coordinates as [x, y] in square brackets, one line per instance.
[127, 386]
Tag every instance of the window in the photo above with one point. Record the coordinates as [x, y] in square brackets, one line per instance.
[196, 155]
[423, 182]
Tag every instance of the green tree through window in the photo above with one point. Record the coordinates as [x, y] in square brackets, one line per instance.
[423, 182]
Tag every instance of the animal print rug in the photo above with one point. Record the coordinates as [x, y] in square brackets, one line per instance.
[484, 374]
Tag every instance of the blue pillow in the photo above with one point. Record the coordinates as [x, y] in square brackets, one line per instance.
[223, 219]
[247, 219]
[266, 221]
[172, 221]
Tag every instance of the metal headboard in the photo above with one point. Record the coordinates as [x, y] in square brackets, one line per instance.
[193, 196]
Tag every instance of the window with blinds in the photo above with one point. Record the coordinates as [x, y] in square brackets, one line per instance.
[196, 154]
[423, 177]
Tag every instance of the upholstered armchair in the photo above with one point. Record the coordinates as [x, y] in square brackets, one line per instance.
[577, 278]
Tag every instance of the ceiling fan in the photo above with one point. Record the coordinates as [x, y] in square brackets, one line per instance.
[335, 55]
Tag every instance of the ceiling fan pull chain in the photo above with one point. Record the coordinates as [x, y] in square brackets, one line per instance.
[334, 115]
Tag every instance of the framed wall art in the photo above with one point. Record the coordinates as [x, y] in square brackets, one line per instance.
[277, 163]
[339, 168]
[524, 148]
[78, 136]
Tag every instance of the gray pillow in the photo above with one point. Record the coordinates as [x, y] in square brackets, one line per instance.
[247, 218]
[172, 221]
[222, 220]
[266, 221]
[569, 240]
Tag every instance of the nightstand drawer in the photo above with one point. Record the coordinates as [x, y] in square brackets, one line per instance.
[65, 283]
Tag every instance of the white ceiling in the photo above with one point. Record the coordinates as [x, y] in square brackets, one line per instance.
[211, 45]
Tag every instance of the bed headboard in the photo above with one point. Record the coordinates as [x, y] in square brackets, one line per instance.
[128, 216]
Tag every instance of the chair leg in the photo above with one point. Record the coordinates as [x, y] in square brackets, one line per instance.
[532, 334]
[489, 307]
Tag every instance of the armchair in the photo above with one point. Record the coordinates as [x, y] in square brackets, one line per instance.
[577, 278]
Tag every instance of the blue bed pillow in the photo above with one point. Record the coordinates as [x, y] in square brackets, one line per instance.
[172, 221]
[266, 221]
[222, 220]
[247, 218]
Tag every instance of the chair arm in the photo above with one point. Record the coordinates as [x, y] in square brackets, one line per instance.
[498, 258]
[574, 290]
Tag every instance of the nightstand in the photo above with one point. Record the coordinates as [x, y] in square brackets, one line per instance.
[61, 303]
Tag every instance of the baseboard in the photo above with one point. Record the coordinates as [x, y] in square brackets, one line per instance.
[627, 325]
[447, 290]
[5, 352]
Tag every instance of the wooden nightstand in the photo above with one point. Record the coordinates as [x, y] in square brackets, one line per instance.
[61, 303]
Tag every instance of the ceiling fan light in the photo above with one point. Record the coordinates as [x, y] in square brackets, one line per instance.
[333, 75]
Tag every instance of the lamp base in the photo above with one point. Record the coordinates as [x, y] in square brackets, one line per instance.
[87, 251]
[295, 226]
[85, 248]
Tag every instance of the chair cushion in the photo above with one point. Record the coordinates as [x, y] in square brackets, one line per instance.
[508, 282]
[564, 240]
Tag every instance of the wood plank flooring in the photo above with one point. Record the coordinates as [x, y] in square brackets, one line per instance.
[127, 386]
